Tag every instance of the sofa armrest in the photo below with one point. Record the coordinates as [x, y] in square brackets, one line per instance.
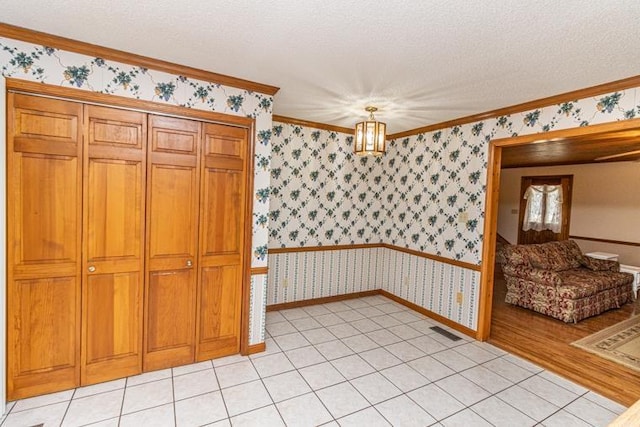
[595, 264]
[545, 277]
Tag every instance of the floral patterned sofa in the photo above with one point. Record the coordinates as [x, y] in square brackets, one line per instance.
[556, 279]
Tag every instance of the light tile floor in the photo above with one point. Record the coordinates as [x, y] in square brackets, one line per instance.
[360, 362]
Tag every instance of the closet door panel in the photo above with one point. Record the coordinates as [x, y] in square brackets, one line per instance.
[172, 242]
[43, 250]
[219, 303]
[46, 356]
[47, 221]
[222, 241]
[113, 211]
[113, 266]
[164, 331]
[112, 304]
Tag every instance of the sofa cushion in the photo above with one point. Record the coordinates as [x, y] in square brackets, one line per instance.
[545, 277]
[600, 264]
[555, 256]
[516, 255]
[580, 283]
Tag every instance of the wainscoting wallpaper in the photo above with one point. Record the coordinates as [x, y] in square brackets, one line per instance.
[257, 308]
[296, 276]
[26, 61]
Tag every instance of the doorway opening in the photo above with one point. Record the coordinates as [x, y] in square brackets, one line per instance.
[607, 142]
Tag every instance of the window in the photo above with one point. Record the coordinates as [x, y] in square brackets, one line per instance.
[544, 208]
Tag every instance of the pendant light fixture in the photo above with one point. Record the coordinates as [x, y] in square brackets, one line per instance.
[370, 136]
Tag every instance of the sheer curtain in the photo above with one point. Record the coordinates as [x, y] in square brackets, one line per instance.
[544, 208]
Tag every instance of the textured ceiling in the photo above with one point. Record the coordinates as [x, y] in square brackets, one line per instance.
[420, 62]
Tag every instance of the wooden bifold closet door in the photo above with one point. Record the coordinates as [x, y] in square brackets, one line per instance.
[222, 241]
[113, 250]
[172, 241]
[126, 242]
[44, 171]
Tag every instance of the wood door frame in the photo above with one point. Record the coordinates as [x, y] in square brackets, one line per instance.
[566, 199]
[492, 198]
[88, 97]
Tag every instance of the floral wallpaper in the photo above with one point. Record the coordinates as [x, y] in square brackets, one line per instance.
[426, 193]
[321, 193]
[26, 61]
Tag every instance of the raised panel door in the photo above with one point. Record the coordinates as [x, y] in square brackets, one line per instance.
[222, 241]
[172, 241]
[113, 260]
[43, 251]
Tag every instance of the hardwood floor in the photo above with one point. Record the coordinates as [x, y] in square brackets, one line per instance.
[546, 342]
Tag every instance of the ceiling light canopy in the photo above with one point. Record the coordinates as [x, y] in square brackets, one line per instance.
[370, 136]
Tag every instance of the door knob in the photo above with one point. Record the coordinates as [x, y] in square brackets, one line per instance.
[91, 269]
[189, 263]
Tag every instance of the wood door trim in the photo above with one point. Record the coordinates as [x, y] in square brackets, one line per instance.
[108, 100]
[258, 271]
[248, 243]
[315, 125]
[324, 248]
[437, 258]
[321, 300]
[613, 86]
[256, 348]
[71, 45]
[492, 198]
[415, 307]
[615, 242]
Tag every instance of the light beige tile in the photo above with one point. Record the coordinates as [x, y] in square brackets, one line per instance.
[91, 409]
[402, 411]
[194, 383]
[303, 411]
[342, 399]
[99, 388]
[160, 416]
[200, 410]
[367, 417]
[49, 416]
[263, 417]
[236, 373]
[147, 395]
[246, 397]
[149, 377]
[285, 386]
[375, 388]
[321, 375]
[436, 401]
[45, 399]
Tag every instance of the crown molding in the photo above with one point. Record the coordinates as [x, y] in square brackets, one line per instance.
[300, 122]
[63, 43]
[526, 106]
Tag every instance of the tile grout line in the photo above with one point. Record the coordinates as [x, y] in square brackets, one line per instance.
[273, 402]
[224, 402]
[173, 393]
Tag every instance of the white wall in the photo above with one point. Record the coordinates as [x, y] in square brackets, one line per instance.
[605, 205]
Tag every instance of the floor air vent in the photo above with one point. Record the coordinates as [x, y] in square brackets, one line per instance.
[445, 333]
